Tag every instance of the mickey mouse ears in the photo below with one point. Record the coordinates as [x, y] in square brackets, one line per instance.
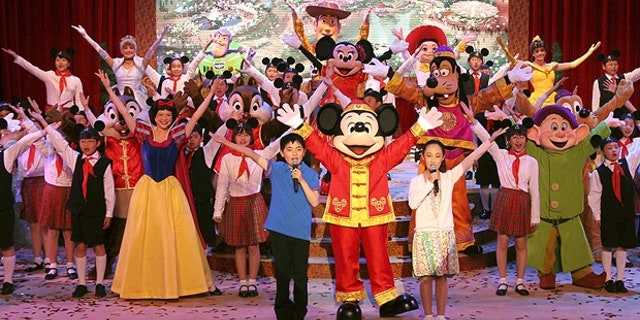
[613, 56]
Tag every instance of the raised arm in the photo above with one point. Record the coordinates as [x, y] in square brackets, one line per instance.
[149, 55]
[575, 63]
[258, 159]
[468, 161]
[39, 73]
[131, 123]
[101, 52]
[197, 114]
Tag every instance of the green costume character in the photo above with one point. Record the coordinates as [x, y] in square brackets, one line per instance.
[559, 243]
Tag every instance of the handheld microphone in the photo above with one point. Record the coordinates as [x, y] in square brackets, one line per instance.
[433, 169]
[296, 183]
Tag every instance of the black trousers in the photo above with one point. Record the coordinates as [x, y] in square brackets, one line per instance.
[291, 260]
[204, 211]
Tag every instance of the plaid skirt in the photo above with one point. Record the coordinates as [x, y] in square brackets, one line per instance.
[53, 213]
[32, 190]
[243, 221]
[511, 213]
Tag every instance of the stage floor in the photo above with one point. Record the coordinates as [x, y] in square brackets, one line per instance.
[471, 296]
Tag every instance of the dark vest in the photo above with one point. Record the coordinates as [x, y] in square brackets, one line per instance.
[609, 204]
[605, 95]
[200, 176]
[95, 204]
[469, 84]
[6, 192]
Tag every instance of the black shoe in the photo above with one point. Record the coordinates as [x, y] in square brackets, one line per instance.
[216, 292]
[8, 288]
[620, 287]
[51, 274]
[101, 292]
[253, 291]
[80, 291]
[400, 304]
[72, 273]
[35, 267]
[349, 310]
[628, 264]
[521, 289]
[502, 289]
[244, 291]
[473, 250]
[610, 286]
[485, 214]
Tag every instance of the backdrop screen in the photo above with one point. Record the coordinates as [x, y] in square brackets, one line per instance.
[260, 24]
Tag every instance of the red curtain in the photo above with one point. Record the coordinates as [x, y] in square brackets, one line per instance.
[33, 27]
[576, 24]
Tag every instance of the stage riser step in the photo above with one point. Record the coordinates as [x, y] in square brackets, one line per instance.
[324, 268]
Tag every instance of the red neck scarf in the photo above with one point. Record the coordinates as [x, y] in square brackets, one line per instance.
[59, 164]
[515, 168]
[623, 145]
[32, 156]
[175, 82]
[476, 81]
[244, 166]
[87, 169]
[63, 78]
[615, 180]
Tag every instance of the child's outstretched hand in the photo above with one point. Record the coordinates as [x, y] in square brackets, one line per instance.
[218, 138]
[497, 133]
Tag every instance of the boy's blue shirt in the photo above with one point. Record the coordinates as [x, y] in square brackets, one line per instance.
[289, 211]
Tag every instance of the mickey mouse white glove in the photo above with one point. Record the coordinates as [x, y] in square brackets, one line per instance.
[292, 40]
[399, 46]
[428, 120]
[376, 69]
[12, 124]
[520, 74]
[290, 115]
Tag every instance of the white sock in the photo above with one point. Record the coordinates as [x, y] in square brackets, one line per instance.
[621, 260]
[519, 281]
[244, 282]
[428, 317]
[70, 264]
[484, 198]
[53, 265]
[252, 281]
[502, 280]
[606, 262]
[101, 267]
[440, 317]
[9, 266]
[81, 262]
[37, 260]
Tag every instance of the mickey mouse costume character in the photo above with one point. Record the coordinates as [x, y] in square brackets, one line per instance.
[359, 206]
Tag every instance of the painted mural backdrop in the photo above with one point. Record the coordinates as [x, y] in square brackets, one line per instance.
[260, 24]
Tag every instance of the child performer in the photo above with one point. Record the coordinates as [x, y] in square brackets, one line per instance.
[63, 89]
[91, 201]
[435, 256]
[517, 208]
[611, 193]
[294, 192]
[8, 158]
[240, 208]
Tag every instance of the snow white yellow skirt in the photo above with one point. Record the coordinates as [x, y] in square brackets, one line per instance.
[161, 255]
